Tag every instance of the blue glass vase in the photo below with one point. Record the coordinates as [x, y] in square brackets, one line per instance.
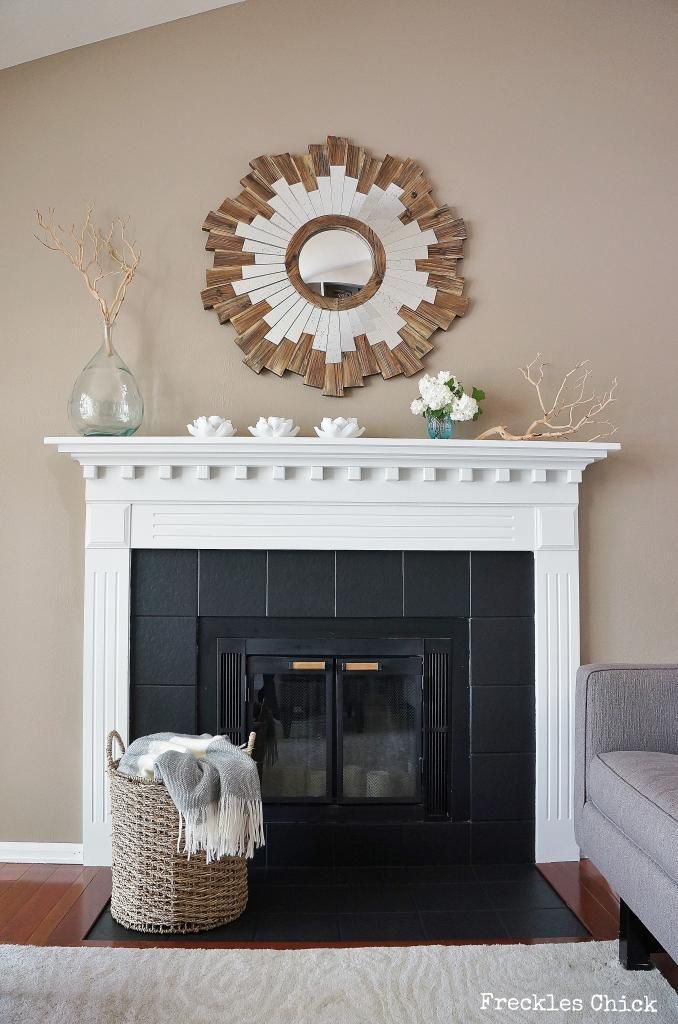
[439, 427]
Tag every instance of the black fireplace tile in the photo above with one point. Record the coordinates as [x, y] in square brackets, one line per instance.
[435, 842]
[504, 872]
[533, 892]
[282, 926]
[162, 709]
[502, 787]
[301, 583]
[298, 844]
[425, 595]
[496, 842]
[369, 584]
[294, 876]
[458, 896]
[387, 927]
[163, 651]
[440, 874]
[502, 719]
[377, 898]
[164, 582]
[502, 583]
[361, 877]
[367, 844]
[232, 583]
[502, 651]
[306, 899]
[447, 926]
[540, 923]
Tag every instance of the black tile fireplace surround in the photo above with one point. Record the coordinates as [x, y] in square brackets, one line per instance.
[477, 607]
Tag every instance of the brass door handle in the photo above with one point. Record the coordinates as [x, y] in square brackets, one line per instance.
[306, 665]
[361, 666]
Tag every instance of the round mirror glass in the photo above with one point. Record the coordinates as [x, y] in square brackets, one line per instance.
[336, 263]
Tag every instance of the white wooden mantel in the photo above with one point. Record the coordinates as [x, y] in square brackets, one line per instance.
[304, 493]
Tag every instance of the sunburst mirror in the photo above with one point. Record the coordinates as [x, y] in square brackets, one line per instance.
[335, 265]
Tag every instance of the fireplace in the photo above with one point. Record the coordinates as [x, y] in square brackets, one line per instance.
[383, 704]
[387, 495]
[335, 727]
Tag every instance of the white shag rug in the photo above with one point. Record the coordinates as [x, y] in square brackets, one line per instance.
[395, 985]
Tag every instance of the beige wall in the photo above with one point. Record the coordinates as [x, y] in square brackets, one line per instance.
[550, 123]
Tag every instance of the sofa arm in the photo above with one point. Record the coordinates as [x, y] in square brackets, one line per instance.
[623, 707]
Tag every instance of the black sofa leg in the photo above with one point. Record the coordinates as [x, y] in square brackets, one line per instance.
[636, 943]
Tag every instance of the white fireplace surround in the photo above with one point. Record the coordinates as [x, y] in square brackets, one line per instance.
[305, 493]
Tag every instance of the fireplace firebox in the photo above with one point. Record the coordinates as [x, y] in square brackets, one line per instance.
[342, 723]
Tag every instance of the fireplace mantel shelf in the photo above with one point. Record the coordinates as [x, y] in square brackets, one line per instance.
[354, 455]
[303, 493]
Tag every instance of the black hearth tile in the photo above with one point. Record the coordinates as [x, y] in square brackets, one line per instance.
[424, 594]
[283, 926]
[455, 925]
[164, 582]
[361, 876]
[504, 872]
[439, 874]
[369, 584]
[502, 787]
[163, 651]
[502, 719]
[530, 893]
[511, 842]
[435, 842]
[303, 899]
[542, 924]
[368, 845]
[502, 583]
[162, 709]
[297, 876]
[298, 844]
[459, 896]
[301, 583]
[390, 927]
[232, 583]
[376, 899]
[502, 651]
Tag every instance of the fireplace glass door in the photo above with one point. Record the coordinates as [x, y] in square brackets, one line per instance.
[337, 730]
[378, 730]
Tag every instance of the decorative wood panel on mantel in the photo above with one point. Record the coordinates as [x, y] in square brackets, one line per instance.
[362, 493]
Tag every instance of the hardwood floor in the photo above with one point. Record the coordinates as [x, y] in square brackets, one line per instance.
[56, 905]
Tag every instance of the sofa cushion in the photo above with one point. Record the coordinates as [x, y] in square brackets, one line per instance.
[638, 791]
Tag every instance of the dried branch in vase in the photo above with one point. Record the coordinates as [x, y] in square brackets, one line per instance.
[98, 256]
[575, 406]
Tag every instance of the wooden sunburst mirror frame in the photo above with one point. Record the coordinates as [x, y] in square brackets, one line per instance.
[334, 343]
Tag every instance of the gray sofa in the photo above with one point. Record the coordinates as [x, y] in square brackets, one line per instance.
[626, 797]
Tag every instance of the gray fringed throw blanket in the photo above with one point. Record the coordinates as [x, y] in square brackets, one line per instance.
[218, 797]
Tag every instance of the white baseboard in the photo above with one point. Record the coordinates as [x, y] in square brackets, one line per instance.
[41, 853]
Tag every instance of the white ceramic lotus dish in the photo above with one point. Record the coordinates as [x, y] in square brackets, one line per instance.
[211, 426]
[339, 428]
[274, 427]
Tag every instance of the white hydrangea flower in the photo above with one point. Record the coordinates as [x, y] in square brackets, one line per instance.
[417, 407]
[464, 408]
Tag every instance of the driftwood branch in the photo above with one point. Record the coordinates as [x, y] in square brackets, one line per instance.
[95, 254]
[574, 406]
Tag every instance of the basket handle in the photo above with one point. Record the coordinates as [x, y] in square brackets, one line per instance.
[113, 735]
[252, 739]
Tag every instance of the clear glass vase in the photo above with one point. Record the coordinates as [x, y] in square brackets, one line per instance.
[439, 427]
[106, 400]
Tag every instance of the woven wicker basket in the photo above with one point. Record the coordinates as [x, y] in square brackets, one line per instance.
[155, 888]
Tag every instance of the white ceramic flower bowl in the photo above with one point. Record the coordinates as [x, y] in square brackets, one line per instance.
[274, 427]
[211, 426]
[339, 429]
